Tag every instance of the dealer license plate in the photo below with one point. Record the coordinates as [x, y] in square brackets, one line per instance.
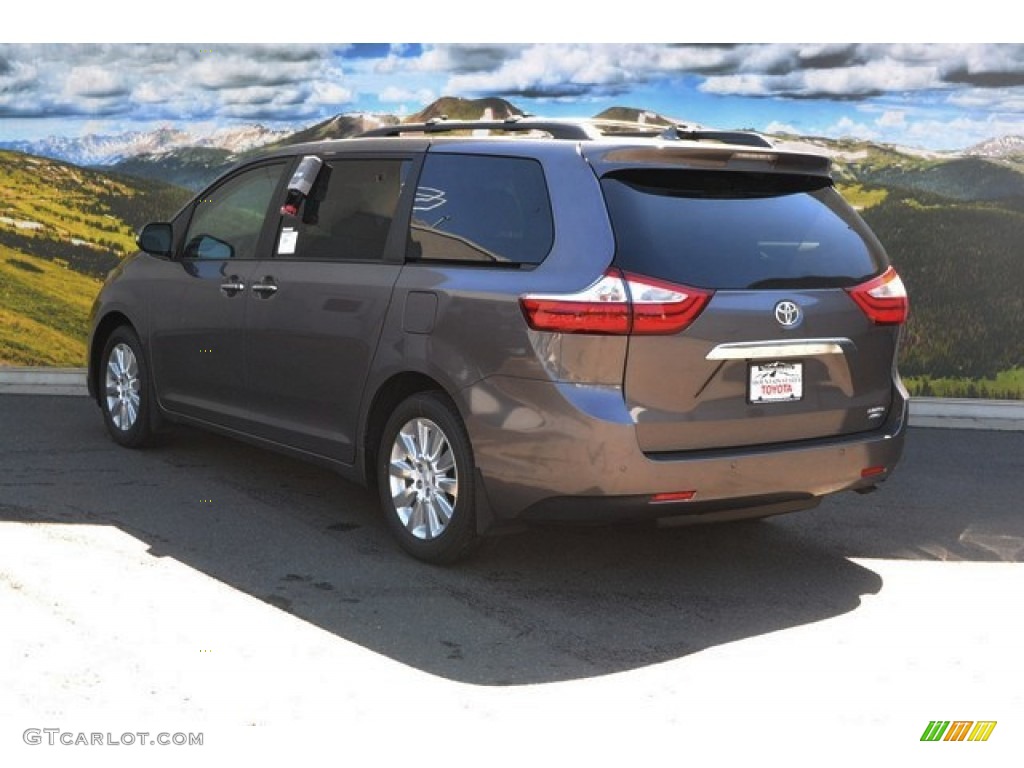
[776, 382]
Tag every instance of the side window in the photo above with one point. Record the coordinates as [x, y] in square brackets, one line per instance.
[352, 218]
[227, 223]
[486, 210]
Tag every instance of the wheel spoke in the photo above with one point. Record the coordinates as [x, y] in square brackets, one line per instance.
[442, 511]
[416, 519]
[448, 486]
[423, 435]
[405, 498]
[438, 446]
[409, 444]
[401, 469]
[446, 461]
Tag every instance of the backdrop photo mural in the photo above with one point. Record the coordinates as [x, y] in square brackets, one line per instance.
[926, 141]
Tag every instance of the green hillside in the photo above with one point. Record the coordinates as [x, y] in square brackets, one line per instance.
[961, 264]
[62, 228]
[966, 179]
[44, 306]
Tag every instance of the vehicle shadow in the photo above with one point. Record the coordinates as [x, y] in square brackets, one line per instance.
[955, 496]
[546, 605]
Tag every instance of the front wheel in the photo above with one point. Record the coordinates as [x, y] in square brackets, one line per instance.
[125, 390]
[425, 479]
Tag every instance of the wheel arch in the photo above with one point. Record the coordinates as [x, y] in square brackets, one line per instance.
[106, 326]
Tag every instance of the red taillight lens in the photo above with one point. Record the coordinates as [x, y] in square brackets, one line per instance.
[663, 308]
[617, 304]
[600, 308]
[883, 299]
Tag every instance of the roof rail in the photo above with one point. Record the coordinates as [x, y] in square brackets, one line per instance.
[574, 129]
[557, 129]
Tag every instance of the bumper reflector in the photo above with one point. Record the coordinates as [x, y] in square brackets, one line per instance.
[667, 498]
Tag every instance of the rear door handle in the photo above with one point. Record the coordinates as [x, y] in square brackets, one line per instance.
[266, 289]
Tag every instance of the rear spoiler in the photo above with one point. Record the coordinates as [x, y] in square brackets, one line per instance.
[727, 157]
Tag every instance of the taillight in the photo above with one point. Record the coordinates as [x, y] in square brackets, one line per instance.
[663, 308]
[600, 308]
[883, 299]
[618, 303]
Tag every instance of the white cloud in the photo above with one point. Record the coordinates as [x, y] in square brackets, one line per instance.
[329, 93]
[397, 94]
[892, 118]
[994, 99]
[94, 82]
[848, 128]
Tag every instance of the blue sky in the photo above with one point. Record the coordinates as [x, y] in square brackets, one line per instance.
[936, 96]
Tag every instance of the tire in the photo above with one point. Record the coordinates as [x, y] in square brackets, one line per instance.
[125, 391]
[425, 478]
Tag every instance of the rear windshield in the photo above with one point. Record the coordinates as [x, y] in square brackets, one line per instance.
[731, 230]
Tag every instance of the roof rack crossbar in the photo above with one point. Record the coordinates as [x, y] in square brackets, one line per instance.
[577, 130]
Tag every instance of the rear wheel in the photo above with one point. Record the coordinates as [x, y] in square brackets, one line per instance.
[425, 479]
[125, 389]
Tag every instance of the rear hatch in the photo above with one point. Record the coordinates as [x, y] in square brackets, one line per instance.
[788, 346]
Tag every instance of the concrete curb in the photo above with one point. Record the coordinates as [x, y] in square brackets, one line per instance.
[43, 381]
[960, 413]
[940, 412]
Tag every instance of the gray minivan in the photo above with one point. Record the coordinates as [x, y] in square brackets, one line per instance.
[558, 320]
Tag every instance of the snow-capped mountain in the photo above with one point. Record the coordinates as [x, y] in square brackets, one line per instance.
[108, 150]
[1004, 146]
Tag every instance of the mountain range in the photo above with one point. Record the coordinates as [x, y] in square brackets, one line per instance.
[107, 149]
[102, 150]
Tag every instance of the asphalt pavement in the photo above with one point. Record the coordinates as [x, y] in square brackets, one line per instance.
[211, 585]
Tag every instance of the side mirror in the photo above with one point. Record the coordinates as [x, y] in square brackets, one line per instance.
[157, 239]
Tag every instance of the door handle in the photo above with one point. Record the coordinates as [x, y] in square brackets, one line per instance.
[266, 289]
[233, 286]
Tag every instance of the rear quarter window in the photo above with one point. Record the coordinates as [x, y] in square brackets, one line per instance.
[731, 230]
[483, 210]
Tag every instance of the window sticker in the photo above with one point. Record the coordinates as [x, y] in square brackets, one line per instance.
[287, 242]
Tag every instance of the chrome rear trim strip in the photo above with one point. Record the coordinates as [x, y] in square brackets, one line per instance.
[777, 349]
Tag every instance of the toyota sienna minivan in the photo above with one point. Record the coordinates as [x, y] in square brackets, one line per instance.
[527, 320]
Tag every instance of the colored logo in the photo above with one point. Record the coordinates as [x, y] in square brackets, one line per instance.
[958, 730]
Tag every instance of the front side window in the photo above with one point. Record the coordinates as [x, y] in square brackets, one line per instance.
[348, 214]
[482, 210]
[227, 221]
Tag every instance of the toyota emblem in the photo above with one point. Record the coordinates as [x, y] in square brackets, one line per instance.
[787, 313]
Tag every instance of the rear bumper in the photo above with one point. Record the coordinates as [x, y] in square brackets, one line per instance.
[549, 450]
